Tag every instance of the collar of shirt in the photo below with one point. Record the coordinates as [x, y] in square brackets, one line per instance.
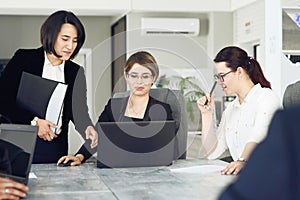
[250, 96]
[51, 72]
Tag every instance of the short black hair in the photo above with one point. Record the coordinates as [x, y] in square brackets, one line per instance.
[51, 27]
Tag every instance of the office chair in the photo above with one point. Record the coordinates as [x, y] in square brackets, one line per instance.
[177, 103]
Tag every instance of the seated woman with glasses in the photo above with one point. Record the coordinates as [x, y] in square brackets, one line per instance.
[246, 119]
[140, 72]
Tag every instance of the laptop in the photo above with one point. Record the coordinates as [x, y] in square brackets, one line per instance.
[135, 144]
[18, 143]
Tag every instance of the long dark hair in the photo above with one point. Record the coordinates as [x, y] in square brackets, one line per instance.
[51, 27]
[236, 57]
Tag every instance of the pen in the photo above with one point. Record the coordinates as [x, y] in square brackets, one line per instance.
[211, 91]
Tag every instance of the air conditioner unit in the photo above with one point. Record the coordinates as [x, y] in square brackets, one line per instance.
[170, 26]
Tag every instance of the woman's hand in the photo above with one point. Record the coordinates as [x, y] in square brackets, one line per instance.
[77, 160]
[205, 108]
[233, 168]
[91, 133]
[45, 132]
[10, 189]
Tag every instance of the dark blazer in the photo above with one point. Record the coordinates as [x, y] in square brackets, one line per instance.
[114, 111]
[272, 171]
[75, 106]
[291, 95]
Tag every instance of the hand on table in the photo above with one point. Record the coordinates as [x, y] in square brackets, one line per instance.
[75, 160]
[233, 168]
[10, 189]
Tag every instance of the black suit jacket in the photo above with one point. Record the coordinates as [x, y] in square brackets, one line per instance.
[272, 171]
[75, 106]
[114, 111]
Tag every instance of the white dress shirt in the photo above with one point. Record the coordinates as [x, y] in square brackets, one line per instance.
[246, 122]
[55, 73]
[51, 72]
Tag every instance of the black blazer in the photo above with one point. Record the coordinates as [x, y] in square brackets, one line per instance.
[272, 171]
[114, 111]
[75, 106]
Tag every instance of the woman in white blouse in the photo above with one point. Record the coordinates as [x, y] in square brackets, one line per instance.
[245, 120]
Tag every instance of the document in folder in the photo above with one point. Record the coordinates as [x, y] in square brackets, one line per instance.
[43, 97]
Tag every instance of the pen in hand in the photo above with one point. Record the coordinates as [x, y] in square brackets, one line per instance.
[211, 91]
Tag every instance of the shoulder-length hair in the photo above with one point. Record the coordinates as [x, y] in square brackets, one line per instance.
[52, 26]
[145, 59]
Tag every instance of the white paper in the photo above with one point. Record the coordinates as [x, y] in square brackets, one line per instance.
[32, 175]
[201, 169]
[55, 104]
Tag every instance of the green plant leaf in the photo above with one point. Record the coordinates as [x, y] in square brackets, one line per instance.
[189, 88]
[190, 111]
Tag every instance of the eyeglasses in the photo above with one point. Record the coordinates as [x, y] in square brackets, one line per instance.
[220, 77]
[146, 78]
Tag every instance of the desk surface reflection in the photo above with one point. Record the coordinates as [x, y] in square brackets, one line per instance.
[88, 182]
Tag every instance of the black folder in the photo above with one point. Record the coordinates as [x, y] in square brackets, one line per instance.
[43, 97]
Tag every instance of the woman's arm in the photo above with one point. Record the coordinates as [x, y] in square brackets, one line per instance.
[85, 151]
[236, 166]
[209, 139]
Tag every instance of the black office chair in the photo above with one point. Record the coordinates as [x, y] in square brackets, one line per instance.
[177, 103]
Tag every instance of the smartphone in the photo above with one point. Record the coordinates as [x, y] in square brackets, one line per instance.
[211, 91]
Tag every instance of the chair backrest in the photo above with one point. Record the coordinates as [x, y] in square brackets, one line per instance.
[177, 103]
[291, 95]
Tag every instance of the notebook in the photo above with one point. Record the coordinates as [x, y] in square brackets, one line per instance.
[135, 144]
[18, 141]
[43, 97]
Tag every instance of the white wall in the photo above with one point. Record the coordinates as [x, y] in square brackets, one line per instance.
[273, 44]
[87, 7]
[220, 32]
[245, 36]
[265, 29]
[237, 4]
[184, 53]
[111, 7]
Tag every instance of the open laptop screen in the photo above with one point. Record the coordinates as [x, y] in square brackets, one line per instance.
[135, 144]
[17, 143]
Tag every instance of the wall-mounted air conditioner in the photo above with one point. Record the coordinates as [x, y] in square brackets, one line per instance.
[170, 26]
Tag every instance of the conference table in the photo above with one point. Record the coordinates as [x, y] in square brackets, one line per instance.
[184, 179]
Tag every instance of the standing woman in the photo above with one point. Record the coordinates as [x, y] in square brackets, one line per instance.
[140, 72]
[245, 120]
[62, 36]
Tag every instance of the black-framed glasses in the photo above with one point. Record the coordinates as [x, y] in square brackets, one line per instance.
[220, 77]
[146, 78]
